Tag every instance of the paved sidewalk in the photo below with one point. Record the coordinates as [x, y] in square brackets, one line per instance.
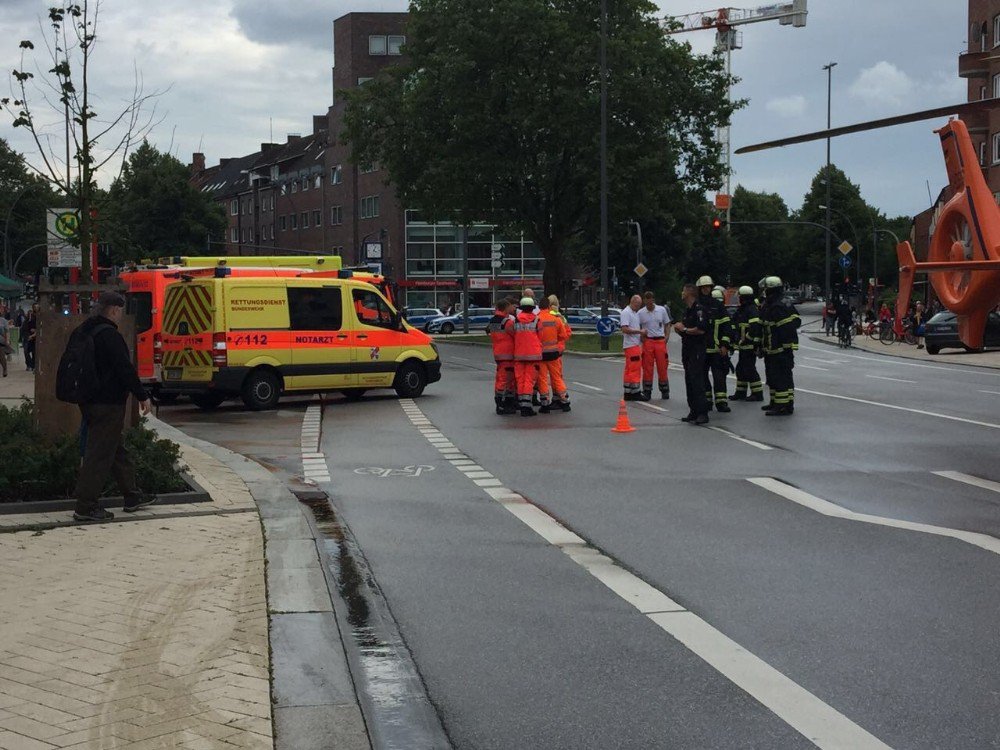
[147, 634]
[990, 359]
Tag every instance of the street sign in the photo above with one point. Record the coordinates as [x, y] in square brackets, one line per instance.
[640, 270]
[373, 251]
[479, 282]
[605, 326]
[845, 247]
[62, 225]
[845, 262]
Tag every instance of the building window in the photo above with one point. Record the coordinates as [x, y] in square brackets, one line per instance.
[305, 219]
[317, 219]
[996, 85]
[367, 168]
[996, 197]
[363, 80]
[336, 175]
[281, 223]
[336, 216]
[996, 148]
[284, 189]
[274, 172]
[996, 31]
[295, 186]
[234, 235]
[318, 181]
[272, 201]
[234, 207]
[370, 206]
[305, 184]
[396, 45]
[377, 45]
[295, 221]
[982, 153]
[982, 92]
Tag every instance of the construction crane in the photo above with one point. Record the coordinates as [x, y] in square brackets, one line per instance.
[727, 39]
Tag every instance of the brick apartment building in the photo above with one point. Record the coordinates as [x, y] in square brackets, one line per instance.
[305, 195]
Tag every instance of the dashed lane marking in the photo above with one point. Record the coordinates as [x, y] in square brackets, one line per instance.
[892, 361]
[825, 507]
[995, 393]
[958, 476]
[813, 367]
[807, 714]
[748, 441]
[654, 407]
[589, 387]
[901, 408]
[826, 361]
[894, 380]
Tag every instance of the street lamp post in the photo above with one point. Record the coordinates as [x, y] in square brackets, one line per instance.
[638, 250]
[604, 166]
[853, 231]
[6, 226]
[829, 100]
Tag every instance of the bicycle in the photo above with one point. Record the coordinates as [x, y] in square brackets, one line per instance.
[871, 329]
[890, 334]
[845, 336]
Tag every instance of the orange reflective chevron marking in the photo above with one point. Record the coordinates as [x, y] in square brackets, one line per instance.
[191, 305]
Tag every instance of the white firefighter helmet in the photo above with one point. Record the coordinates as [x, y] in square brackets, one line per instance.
[527, 302]
[746, 291]
[718, 294]
[704, 281]
[772, 282]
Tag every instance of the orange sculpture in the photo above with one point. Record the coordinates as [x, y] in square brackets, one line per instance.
[963, 261]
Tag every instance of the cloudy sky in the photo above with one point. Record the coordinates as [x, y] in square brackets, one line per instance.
[233, 70]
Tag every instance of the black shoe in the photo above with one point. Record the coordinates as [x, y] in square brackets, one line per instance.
[738, 397]
[755, 397]
[133, 504]
[499, 409]
[545, 409]
[646, 396]
[631, 397]
[780, 411]
[564, 405]
[96, 515]
[723, 408]
[768, 406]
[665, 395]
[710, 407]
[701, 419]
[690, 417]
[534, 400]
[527, 411]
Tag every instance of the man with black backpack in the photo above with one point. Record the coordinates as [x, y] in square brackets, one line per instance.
[97, 373]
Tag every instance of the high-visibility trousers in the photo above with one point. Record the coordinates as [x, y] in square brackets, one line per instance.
[717, 370]
[632, 379]
[551, 386]
[654, 354]
[746, 373]
[505, 386]
[526, 374]
[781, 382]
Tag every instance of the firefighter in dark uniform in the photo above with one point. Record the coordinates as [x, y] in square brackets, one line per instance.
[717, 343]
[781, 340]
[693, 329]
[749, 332]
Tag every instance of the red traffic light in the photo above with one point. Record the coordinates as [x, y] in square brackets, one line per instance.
[716, 223]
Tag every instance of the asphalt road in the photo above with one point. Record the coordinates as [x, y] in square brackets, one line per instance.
[889, 633]
[561, 586]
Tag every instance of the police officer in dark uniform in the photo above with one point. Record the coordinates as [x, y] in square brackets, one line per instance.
[781, 340]
[717, 345]
[693, 330]
[749, 333]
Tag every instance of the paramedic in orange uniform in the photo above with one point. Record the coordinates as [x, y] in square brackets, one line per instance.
[501, 331]
[552, 332]
[527, 354]
[655, 320]
[632, 336]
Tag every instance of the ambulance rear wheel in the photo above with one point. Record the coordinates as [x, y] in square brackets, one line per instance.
[207, 401]
[261, 390]
[410, 380]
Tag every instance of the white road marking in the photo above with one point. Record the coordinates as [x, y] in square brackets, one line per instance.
[826, 361]
[895, 380]
[995, 393]
[813, 367]
[314, 466]
[901, 408]
[734, 436]
[825, 507]
[894, 361]
[958, 476]
[800, 709]
[590, 387]
[460, 359]
[654, 407]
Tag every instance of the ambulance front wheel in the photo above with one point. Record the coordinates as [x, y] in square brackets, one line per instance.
[261, 390]
[411, 379]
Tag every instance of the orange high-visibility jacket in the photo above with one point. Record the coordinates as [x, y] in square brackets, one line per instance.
[527, 345]
[501, 330]
[552, 334]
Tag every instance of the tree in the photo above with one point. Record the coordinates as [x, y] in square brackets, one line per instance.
[72, 170]
[23, 200]
[153, 210]
[494, 115]
[756, 251]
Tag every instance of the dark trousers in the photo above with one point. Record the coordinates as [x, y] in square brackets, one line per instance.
[694, 381]
[717, 367]
[746, 372]
[781, 382]
[104, 454]
[29, 354]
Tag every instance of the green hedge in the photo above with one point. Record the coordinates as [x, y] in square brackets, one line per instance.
[33, 468]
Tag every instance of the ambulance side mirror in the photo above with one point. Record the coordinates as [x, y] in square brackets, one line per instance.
[397, 321]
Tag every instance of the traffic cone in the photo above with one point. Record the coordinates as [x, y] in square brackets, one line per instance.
[623, 424]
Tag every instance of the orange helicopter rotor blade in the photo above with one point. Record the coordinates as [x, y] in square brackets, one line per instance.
[928, 114]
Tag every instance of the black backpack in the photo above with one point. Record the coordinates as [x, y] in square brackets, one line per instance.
[77, 380]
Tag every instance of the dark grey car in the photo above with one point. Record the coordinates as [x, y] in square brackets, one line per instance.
[941, 332]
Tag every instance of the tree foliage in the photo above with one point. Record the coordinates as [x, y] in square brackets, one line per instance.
[153, 210]
[23, 199]
[495, 116]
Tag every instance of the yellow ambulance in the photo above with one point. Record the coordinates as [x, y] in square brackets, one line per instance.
[259, 338]
[315, 262]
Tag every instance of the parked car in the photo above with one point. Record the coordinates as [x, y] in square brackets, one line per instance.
[585, 319]
[479, 317]
[941, 332]
[614, 313]
[419, 317]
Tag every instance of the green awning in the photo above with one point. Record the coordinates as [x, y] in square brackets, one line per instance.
[9, 287]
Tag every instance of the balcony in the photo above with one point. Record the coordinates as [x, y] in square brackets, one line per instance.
[974, 64]
[978, 123]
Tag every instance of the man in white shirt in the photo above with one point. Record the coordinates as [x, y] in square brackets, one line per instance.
[632, 335]
[654, 320]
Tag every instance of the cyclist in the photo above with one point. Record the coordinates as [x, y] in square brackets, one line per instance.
[845, 322]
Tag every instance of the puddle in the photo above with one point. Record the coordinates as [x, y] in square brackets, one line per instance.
[397, 709]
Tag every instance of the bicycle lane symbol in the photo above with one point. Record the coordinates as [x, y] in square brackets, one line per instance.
[410, 472]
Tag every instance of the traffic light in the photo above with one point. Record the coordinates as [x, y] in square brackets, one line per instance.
[716, 224]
